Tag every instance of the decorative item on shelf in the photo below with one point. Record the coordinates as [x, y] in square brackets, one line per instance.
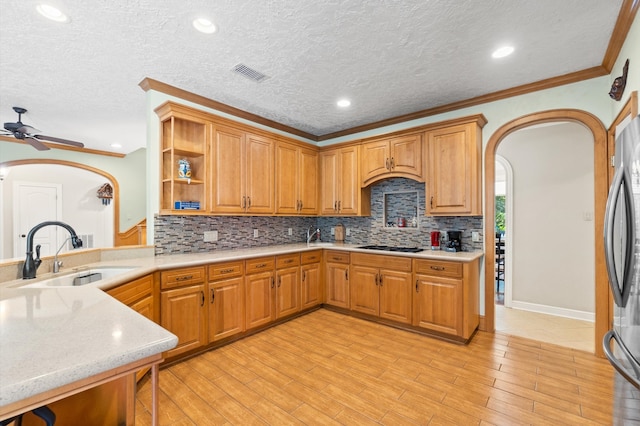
[617, 88]
[105, 193]
[184, 169]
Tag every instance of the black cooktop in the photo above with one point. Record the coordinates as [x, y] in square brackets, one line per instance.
[389, 248]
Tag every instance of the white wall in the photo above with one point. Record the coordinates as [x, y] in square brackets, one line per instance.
[553, 242]
[81, 209]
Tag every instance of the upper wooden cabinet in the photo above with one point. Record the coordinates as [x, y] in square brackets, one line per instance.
[183, 136]
[297, 179]
[454, 169]
[242, 172]
[341, 194]
[399, 156]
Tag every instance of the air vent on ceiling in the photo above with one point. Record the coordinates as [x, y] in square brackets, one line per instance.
[250, 73]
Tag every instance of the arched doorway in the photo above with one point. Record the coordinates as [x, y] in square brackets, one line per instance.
[104, 219]
[600, 187]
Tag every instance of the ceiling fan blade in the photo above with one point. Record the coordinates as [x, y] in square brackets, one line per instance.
[58, 140]
[31, 140]
[27, 129]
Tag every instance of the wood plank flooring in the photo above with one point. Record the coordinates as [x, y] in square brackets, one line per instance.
[330, 369]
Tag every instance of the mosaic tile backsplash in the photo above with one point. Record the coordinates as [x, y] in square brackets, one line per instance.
[185, 234]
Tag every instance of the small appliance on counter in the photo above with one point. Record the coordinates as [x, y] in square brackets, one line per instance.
[454, 241]
[339, 233]
[435, 240]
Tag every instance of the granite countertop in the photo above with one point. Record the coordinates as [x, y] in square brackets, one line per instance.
[55, 336]
[140, 266]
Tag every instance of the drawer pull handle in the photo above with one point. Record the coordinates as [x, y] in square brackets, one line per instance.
[184, 278]
[337, 259]
[261, 265]
[288, 261]
[438, 268]
[226, 271]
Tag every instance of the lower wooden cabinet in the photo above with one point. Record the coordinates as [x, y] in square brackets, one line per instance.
[311, 279]
[259, 282]
[183, 308]
[337, 278]
[446, 297]
[226, 300]
[383, 292]
[287, 288]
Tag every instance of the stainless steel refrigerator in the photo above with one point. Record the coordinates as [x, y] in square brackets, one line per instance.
[622, 253]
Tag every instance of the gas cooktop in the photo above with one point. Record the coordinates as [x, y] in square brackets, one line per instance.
[388, 248]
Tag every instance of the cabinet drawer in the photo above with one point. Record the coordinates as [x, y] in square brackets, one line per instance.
[311, 257]
[226, 270]
[440, 268]
[261, 264]
[394, 263]
[182, 277]
[133, 291]
[287, 260]
[333, 256]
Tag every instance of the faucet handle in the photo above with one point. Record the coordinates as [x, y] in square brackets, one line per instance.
[37, 260]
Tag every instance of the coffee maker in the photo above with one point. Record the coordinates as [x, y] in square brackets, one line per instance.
[454, 241]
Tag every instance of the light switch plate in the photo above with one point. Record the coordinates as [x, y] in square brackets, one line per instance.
[475, 236]
[290, 231]
[210, 236]
[255, 233]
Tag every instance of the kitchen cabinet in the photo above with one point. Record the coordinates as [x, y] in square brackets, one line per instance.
[182, 308]
[138, 295]
[259, 282]
[454, 170]
[226, 300]
[399, 156]
[381, 291]
[287, 289]
[297, 179]
[341, 194]
[242, 172]
[446, 297]
[183, 137]
[311, 279]
[337, 278]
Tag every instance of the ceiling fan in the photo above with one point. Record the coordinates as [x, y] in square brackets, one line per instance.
[32, 135]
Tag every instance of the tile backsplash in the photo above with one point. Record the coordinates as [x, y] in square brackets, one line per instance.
[185, 234]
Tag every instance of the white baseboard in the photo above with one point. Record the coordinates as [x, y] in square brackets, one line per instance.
[554, 310]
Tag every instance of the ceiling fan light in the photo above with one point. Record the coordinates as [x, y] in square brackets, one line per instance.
[503, 51]
[204, 25]
[52, 13]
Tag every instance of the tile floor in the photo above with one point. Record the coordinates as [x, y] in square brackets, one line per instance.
[561, 331]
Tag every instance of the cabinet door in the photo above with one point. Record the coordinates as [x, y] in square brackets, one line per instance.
[449, 171]
[260, 164]
[183, 314]
[395, 296]
[438, 304]
[226, 308]
[329, 182]
[337, 282]
[258, 303]
[310, 288]
[308, 179]
[287, 291]
[228, 170]
[348, 181]
[375, 160]
[365, 296]
[287, 172]
[406, 155]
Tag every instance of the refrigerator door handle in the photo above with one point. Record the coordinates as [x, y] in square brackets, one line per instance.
[606, 344]
[620, 292]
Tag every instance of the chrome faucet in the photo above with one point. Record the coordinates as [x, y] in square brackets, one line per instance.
[310, 234]
[30, 264]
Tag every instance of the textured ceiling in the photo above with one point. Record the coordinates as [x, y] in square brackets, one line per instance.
[79, 80]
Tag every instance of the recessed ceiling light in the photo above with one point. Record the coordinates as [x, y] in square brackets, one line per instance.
[502, 52]
[116, 145]
[343, 103]
[204, 25]
[52, 13]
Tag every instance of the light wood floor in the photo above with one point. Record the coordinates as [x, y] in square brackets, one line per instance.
[327, 368]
